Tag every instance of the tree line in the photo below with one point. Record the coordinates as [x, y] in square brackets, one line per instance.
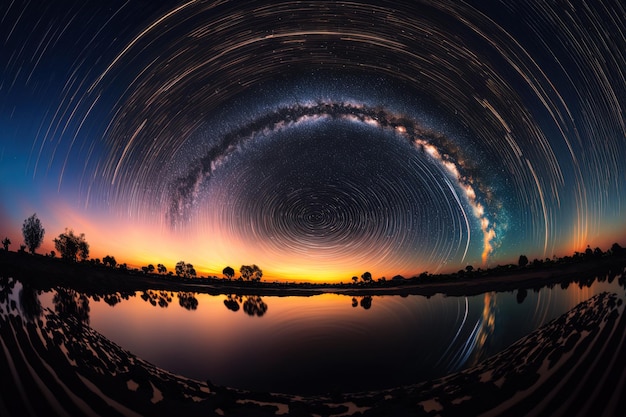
[74, 247]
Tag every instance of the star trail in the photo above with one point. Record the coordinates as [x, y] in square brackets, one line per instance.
[317, 139]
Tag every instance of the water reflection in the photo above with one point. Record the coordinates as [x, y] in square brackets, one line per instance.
[6, 289]
[317, 336]
[188, 300]
[71, 369]
[253, 305]
[232, 302]
[365, 301]
[69, 303]
[160, 298]
[29, 303]
[486, 327]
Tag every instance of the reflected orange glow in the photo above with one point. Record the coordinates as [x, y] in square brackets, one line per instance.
[487, 324]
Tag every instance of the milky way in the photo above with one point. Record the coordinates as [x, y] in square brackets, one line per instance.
[392, 136]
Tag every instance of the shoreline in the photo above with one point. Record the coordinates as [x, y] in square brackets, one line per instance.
[47, 272]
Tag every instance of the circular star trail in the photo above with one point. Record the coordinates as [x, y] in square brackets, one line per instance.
[321, 136]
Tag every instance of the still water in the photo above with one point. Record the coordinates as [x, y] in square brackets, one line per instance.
[315, 344]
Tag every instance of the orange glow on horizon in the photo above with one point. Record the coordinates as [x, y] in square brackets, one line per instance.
[141, 243]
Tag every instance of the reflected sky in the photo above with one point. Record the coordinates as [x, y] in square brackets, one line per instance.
[320, 343]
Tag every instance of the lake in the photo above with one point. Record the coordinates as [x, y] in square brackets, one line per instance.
[307, 345]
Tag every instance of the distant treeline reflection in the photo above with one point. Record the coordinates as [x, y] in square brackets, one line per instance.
[252, 305]
[365, 302]
[72, 304]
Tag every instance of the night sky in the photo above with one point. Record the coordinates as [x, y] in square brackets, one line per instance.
[317, 140]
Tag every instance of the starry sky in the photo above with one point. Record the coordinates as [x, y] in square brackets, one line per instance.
[315, 139]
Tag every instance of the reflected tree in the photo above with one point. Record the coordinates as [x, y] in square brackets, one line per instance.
[112, 299]
[232, 302]
[71, 304]
[29, 303]
[254, 306]
[521, 295]
[6, 289]
[160, 298]
[366, 302]
[188, 300]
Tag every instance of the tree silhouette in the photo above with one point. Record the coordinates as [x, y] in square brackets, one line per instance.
[246, 272]
[6, 242]
[110, 261]
[366, 277]
[180, 268]
[185, 270]
[33, 233]
[251, 272]
[257, 274]
[228, 272]
[161, 269]
[523, 261]
[616, 249]
[71, 246]
[355, 279]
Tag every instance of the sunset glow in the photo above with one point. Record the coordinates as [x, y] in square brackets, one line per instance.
[407, 138]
